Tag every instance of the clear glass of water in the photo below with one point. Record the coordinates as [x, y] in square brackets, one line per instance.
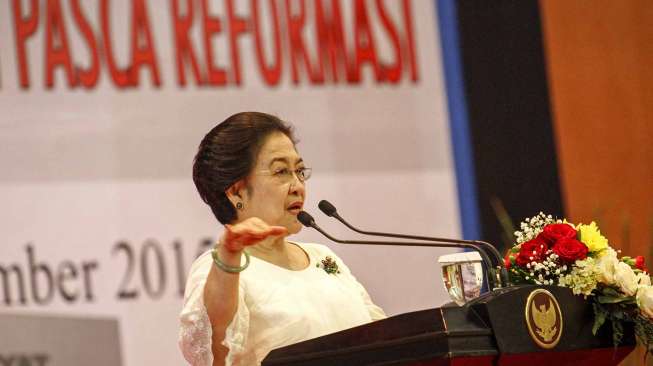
[462, 274]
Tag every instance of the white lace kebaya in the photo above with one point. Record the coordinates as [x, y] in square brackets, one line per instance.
[276, 307]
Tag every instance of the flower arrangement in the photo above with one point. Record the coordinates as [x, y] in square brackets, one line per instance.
[550, 251]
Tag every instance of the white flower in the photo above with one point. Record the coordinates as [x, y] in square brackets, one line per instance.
[625, 278]
[607, 263]
[643, 279]
[531, 227]
[583, 277]
[645, 300]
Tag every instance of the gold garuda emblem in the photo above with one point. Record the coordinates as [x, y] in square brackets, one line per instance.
[543, 318]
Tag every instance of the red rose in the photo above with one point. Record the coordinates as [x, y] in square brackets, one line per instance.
[554, 232]
[570, 250]
[531, 251]
[639, 263]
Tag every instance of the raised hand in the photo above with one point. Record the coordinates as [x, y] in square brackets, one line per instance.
[247, 233]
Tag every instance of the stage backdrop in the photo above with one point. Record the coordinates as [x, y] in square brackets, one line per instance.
[104, 103]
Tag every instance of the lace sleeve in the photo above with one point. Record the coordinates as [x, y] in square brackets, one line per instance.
[195, 326]
[195, 338]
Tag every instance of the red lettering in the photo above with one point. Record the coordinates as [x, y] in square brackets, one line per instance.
[365, 51]
[297, 48]
[88, 77]
[56, 55]
[120, 77]
[216, 75]
[408, 23]
[25, 27]
[143, 53]
[183, 45]
[392, 72]
[271, 74]
[237, 25]
[333, 49]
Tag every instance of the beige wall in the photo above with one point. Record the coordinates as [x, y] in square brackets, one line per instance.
[600, 66]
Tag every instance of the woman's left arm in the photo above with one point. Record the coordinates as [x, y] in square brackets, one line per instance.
[376, 313]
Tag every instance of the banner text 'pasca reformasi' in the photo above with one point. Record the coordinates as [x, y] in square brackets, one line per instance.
[307, 42]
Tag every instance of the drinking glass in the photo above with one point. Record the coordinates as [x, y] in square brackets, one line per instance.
[462, 274]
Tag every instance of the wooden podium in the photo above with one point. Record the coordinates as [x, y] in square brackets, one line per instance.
[492, 330]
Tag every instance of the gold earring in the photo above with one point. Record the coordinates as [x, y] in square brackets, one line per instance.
[239, 205]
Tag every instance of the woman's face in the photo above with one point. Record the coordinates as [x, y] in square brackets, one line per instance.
[275, 193]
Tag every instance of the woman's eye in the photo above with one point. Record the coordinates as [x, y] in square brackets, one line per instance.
[282, 171]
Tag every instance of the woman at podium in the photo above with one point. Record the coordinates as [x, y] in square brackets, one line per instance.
[256, 290]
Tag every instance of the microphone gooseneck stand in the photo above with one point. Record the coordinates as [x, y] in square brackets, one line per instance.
[307, 220]
[496, 267]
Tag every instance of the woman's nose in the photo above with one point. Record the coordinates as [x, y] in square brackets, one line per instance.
[297, 185]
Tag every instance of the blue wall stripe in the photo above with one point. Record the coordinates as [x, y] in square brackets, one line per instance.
[458, 118]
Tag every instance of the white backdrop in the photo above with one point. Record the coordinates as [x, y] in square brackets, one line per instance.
[90, 175]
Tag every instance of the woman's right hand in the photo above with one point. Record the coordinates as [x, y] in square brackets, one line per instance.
[248, 232]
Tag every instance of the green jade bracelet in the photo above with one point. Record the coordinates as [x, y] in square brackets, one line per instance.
[227, 268]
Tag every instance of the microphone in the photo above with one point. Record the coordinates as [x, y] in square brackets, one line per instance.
[307, 220]
[330, 210]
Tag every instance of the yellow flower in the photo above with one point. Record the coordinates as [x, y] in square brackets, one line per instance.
[591, 236]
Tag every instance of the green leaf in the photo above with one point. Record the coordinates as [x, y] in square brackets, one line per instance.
[618, 314]
[617, 332]
[609, 291]
[600, 314]
[630, 301]
[644, 333]
[611, 300]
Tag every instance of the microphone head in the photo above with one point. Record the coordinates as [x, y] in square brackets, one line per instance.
[306, 219]
[326, 207]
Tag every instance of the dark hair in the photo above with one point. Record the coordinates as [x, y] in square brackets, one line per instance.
[228, 153]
